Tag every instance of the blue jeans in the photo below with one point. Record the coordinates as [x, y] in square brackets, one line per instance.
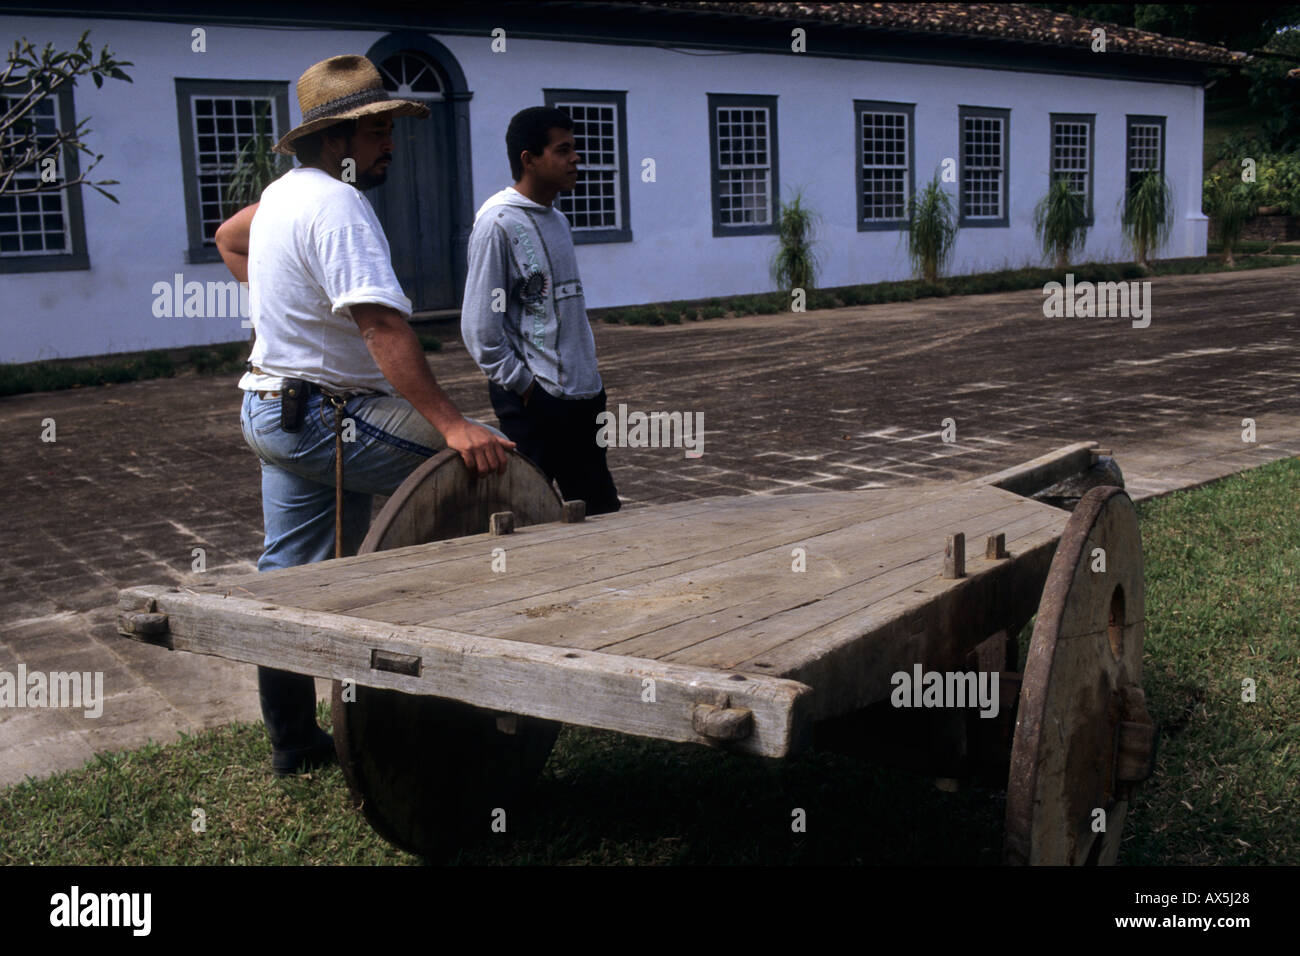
[392, 439]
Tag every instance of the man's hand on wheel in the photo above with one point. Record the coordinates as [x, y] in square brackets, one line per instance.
[482, 451]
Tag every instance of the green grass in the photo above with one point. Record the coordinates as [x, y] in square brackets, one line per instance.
[223, 359]
[1222, 569]
[53, 376]
[1223, 604]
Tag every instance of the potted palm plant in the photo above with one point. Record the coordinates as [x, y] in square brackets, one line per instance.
[1228, 204]
[795, 264]
[932, 230]
[256, 167]
[1148, 216]
[1060, 222]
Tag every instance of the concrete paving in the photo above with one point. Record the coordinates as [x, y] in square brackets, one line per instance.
[142, 474]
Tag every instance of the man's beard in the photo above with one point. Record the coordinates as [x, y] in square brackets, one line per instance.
[371, 178]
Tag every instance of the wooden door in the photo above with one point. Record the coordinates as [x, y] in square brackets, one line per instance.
[415, 204]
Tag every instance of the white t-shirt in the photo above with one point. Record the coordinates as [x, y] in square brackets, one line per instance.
[315, 249]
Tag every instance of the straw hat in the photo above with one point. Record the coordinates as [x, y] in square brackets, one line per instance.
[342, 88]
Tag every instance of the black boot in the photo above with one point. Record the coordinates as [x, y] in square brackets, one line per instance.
[289, 711]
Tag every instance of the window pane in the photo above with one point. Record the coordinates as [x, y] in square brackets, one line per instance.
[41, 226]
[884, 166]
[743, 166]
[1143, 150]
[982, 165]
[594, 202]
[223, 126]
[1070, 155]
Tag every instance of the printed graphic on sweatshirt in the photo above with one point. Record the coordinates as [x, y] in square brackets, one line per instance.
[533, 290]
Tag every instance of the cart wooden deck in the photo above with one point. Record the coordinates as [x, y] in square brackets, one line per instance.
[692, 596]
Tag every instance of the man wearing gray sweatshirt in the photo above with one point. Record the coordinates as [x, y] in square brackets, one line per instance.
[524, 318]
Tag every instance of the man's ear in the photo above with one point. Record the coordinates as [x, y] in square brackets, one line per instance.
[336, 147]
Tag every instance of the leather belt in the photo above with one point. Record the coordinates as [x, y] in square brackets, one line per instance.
[313, 387]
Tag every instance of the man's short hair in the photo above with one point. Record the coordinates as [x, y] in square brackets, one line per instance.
[530, 130]
[308, 148]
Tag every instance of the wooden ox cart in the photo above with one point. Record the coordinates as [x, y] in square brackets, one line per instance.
[462, 637]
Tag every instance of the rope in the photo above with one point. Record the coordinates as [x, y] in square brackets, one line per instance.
[340, 407]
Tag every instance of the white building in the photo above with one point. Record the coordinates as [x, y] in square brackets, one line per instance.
[692, 119]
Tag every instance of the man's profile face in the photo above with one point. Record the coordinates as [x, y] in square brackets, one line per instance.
[557, 167]
[372, 148]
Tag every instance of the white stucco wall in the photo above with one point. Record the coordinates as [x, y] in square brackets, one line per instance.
[674, 255]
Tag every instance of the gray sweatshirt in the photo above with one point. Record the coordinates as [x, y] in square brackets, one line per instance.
[524, 315]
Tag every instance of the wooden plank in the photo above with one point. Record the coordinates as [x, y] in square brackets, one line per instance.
[843, 578]
[654, 618]
[908, 585]
[577, 687]
[540, 564]
[1043, 471]
[850, 661]
[554, 577]
[368, 571]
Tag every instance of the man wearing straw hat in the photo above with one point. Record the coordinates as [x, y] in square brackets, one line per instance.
[333, 348]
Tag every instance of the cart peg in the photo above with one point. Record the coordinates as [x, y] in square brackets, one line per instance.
[995, 548]
[148, 627]
[722, 723]
[574, 511]
[502, 522]
[954, 556]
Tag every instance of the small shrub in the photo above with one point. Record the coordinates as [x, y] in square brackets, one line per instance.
[794, 266]
[1059, 222]
[932, 217]
[1148, 215]
[713, 312]
[1228, 203]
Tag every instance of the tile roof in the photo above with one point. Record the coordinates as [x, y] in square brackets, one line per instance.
[994, 21]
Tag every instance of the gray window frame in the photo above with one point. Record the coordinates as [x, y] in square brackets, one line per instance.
[1091, 120]
[729, 101]
[276, 90]
[79, 257]
[1136, 119]
[968, 112]
[619, 99]
[881, 106]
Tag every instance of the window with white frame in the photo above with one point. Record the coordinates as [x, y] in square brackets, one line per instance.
[42, 227]
[885, 174]
[223, 125]
[1072, 138]
[34, 223]
[597, 206]
[984, 166]
[743, 140]
[1145, 148]
[218, 118]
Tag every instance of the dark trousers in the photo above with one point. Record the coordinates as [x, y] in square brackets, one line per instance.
[558, 435]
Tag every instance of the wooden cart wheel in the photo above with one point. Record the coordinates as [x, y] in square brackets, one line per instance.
[1083, 738]
[429, 772]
